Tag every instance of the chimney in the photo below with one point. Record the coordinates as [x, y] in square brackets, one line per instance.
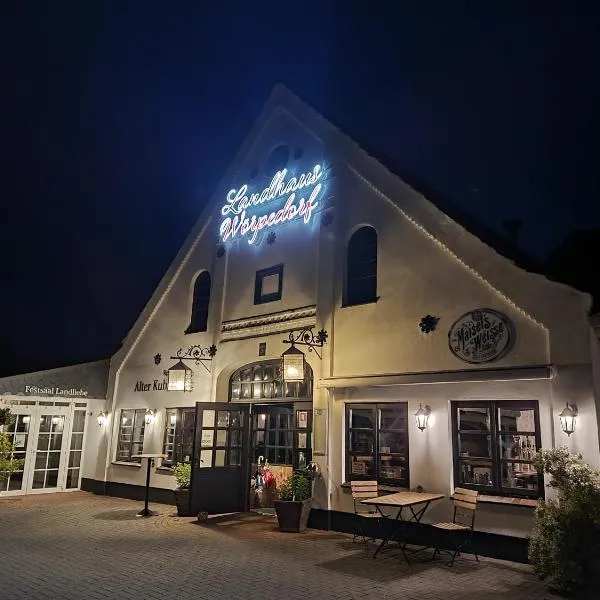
[512, 227]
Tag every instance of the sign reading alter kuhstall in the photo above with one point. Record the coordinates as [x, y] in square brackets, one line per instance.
[285, 199]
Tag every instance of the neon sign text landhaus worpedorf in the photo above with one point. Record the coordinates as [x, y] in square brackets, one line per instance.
[240, 222]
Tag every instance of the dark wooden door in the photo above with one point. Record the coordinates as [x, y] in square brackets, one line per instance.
[220, 465]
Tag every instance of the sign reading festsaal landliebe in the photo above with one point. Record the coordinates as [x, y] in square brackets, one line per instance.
[247, 214]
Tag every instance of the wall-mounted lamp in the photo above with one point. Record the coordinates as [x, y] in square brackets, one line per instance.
[173, 419]
[179, 376]
[26, 419]
[422, 416]
[568, 418]
[293, 364]
[150, 416]
[102, 418]
[292, 360]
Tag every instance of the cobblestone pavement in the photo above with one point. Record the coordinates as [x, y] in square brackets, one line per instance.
[80, 546]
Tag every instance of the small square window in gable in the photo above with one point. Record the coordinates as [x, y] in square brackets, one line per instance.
[268, 285]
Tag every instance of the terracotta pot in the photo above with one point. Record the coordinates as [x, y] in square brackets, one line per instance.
[292, 515]
[182, 501]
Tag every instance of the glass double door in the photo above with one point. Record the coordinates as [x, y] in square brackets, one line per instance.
[49, 439]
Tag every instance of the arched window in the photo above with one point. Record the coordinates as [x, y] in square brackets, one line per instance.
[361, 267]
[263, 381]
[199, 320]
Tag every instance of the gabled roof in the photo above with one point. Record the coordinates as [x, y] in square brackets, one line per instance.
[535, 296]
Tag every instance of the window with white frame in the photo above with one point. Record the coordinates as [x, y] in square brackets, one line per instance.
[178, 442]
[130, 443]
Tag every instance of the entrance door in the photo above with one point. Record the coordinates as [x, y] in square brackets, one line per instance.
[48, 456]
[220, 464]
[50, 441]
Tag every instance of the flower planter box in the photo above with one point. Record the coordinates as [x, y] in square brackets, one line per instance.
[182, 501]
[292, 515]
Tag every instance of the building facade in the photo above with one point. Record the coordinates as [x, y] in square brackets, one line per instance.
[55, 426]
[307, 233]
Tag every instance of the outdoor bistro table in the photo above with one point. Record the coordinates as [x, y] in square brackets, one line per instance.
[402, 500]
[146, 512]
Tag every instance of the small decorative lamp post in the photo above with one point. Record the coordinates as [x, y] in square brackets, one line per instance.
[568, 418]
[292, 362]
[422, 416]
[179, 378]
[102, 418]
[150, 416]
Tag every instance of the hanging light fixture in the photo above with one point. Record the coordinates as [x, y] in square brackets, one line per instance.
[179, 378]
[422, 416]
[292, 360]
[292, 364]
[568, 418]
[150, 416]
[102, 418]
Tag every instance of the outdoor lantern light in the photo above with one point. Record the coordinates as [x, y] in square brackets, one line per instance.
[150, 416]
[422, 416]
[567, 417]
[102, 418]
[293, 364]
[179, 378]
[292, 360]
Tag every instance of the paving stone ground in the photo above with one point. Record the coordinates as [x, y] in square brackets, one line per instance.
[79, 546]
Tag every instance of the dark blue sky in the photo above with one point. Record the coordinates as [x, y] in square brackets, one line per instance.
[120, 117]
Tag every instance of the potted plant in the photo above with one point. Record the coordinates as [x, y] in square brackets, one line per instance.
[183, 474]
[293, 506]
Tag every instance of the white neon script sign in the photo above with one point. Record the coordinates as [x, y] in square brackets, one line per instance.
[239, 223]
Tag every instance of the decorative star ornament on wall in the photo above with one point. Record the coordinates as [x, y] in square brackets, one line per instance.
[428, 323]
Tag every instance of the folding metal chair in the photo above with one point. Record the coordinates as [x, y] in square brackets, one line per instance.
[460, 530]
[362, 490]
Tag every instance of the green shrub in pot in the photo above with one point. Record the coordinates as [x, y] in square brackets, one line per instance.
[183, 474]
[296, 488]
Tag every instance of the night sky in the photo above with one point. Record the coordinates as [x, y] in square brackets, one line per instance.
[119, 118]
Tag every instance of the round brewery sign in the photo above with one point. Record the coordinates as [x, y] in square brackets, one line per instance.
[480, 336]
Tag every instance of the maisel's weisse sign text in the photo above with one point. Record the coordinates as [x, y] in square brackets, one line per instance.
[481, 336]
[285, 199]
